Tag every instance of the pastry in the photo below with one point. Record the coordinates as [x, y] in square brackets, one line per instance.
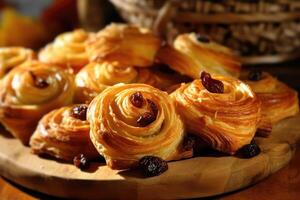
[191, 54]
[95, 77]
[67, 50]
[30, 91]
[126, 44]
[130, 121]
[11, 57]
[222, 110]
[64, 133]
[278, 100]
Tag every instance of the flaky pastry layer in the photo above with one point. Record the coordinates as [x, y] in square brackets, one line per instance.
[226, 121]
[116, 134]
[61, 135]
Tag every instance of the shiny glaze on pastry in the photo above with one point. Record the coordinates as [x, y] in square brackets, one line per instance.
[121, 130]
[67, 50]
[129, 45]
[30, 91]
[11, 57]
[226, 121]
[278, 100]
[63, 135]
[189, 56]
[95, 77]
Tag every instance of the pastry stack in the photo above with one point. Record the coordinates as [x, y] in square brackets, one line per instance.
[124, 94]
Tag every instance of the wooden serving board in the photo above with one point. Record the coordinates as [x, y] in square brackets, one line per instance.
[190, 178]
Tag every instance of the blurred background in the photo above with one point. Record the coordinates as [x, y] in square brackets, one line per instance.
[265, 33]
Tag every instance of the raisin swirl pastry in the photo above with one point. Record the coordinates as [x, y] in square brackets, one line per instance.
[278, 100]
[64, 133]
[67, 50]
[11, 57]
[226, 119]
[129, 45]
[130, 121]
[95, 77]
[191, 54]
[30, 91]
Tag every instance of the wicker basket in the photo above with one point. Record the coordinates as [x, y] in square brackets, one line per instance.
[262, 31]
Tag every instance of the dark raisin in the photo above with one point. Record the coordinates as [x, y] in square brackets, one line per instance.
[153, 166]
[212, 85]
[80, 161]
[39, 81]
[79, 112]
[137, 99]
[255, 75]
[146, 119]
[189, 142]
[202, 38]
[249, 150]
[153, 107]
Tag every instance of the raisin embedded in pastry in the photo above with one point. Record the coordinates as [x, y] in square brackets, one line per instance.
[64, 133]
[130, 121]
[11, 57]
[67, 50]
[30, 91]
[126, 44]
[189, 56]
[223, 111]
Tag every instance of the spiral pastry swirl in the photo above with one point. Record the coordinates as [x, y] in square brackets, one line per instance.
[129, 45]
[67, 50]
[190, 56]
[95, 77]
[64, 134]
[226, 121]
[122, 138]
[278, 100]
[30, 91]
[11, 57]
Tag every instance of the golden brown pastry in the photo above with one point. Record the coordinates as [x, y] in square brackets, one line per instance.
[11, 57]
[64, 133]
[95, 77]
[30, 91]
[191, 54]
[129, 45]
[67, 50]
[278, 100]
[129, 121]
[221, 110]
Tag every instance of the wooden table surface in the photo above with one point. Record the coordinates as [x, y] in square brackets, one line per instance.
[285, 184]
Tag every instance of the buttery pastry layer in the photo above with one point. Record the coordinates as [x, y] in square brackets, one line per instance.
[67, 50]
[11, 57]
[126, 44]
[226, 121]
[95, 77]
[189, 56]
[278, 100]
[61, 135]
[122, 139]
[30, 91]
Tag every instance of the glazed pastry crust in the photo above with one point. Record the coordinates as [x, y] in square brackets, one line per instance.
[62, 136]
[116, 135]
[226, 121]
[22, 104]
[96, 77]
[129, 45]
[189, 57]
[278, 100]
[67, 50]
[11, 57]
